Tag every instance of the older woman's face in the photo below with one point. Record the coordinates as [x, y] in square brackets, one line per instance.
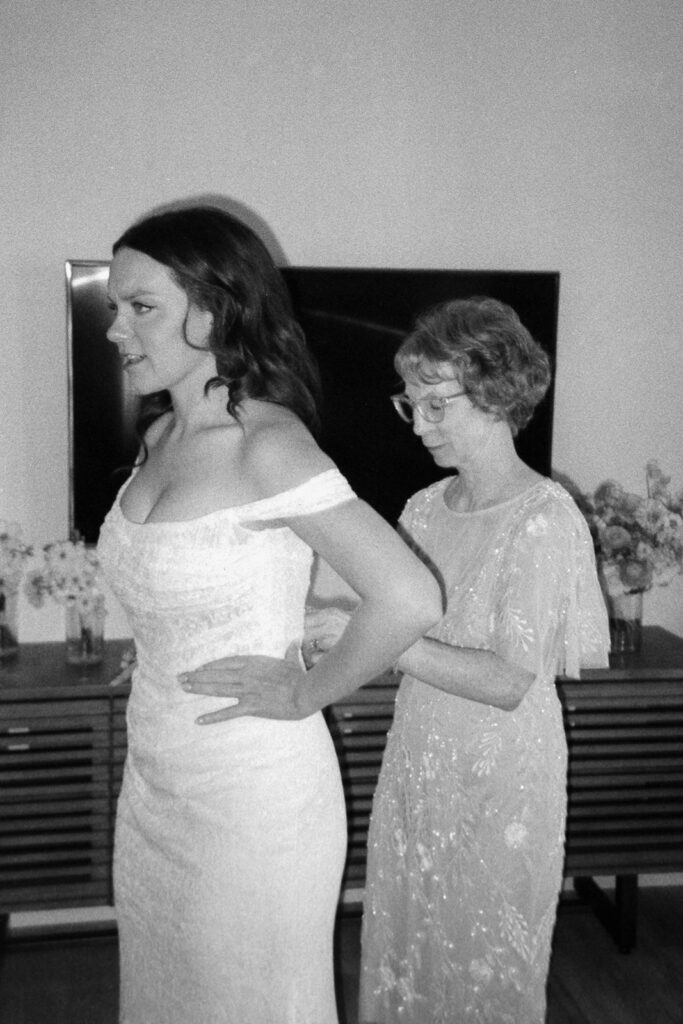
[462, 431]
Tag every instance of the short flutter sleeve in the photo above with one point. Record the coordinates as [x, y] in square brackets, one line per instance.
[319, 493]
[549, 613]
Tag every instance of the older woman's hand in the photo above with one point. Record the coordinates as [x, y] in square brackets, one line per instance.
[322, 629]
[260, 686]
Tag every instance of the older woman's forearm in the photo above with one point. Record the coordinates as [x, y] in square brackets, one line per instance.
[477, 675]
[372, 641]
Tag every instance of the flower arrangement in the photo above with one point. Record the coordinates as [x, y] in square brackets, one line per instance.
[13, 556]
[638, 540]
[70, 574]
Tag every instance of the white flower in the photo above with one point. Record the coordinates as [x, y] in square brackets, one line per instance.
[426, 862]
[70, 574]
[13, 555]
[537, 526]
[638, 541]
[399, 842]
[611, 578]
[387, 977]
[406, 990]
[491, 745]
[427, 767]
[515, 834]
[481, 971]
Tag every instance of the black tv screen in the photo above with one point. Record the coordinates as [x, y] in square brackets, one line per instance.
[354, 320]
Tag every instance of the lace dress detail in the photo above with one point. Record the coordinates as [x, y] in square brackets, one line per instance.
[230, 838]
[467, 831]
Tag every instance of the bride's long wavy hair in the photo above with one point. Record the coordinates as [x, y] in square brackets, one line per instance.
[225, 269]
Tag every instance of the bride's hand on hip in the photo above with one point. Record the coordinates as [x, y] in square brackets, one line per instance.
[322, 629]
[261, 686]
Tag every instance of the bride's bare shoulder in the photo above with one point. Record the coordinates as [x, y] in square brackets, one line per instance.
[280, 452]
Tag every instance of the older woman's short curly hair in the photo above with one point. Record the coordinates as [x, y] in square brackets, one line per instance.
[487, 348]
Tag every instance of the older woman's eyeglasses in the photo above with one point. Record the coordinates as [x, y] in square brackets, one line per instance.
[431, 408]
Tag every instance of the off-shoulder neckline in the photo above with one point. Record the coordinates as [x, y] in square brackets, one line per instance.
[228, 510]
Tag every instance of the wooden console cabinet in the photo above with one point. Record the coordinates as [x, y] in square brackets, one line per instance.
[63, 742]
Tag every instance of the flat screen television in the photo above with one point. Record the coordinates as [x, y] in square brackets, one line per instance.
[354, 319]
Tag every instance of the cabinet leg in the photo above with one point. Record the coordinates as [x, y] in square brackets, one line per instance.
[626, 910]
[4, 931]
[618, 916]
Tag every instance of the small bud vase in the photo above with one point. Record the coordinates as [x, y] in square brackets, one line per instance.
[626, 622]
[9, 645]
[84, 635]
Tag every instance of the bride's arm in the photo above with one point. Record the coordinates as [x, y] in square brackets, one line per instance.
[399, 600]
[477, 675]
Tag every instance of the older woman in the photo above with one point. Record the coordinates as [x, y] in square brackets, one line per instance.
[466, 839]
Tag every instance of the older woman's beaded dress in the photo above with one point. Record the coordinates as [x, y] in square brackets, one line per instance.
[230, 838]
[466, 838]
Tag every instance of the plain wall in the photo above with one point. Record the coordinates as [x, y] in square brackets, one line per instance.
[529, 134]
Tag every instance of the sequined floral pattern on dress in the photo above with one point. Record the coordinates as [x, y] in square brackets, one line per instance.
[466, 840]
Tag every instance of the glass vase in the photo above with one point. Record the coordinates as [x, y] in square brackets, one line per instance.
[84, 635]
[626, 622]
[9, 644]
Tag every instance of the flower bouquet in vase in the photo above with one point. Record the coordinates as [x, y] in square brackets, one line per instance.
[638, 543]
[13, 556]
[70, 574]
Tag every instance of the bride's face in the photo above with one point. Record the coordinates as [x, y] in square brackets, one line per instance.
[155, 325]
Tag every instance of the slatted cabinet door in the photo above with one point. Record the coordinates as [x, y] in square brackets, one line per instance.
[54, 803]
[625, 784]
[56, 779]
[359, 726]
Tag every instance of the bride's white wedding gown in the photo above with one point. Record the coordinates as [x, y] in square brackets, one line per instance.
[230, 838]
